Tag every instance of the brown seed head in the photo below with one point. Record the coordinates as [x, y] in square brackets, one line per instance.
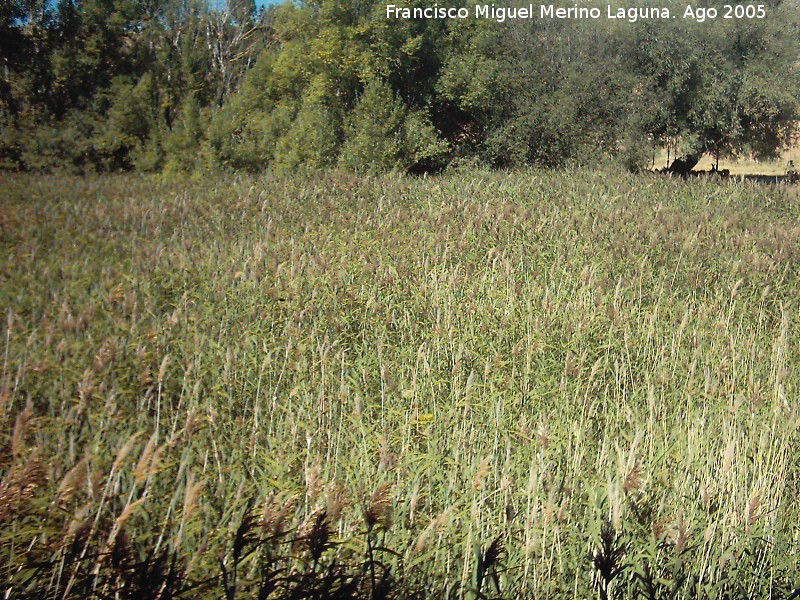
[378, 512]
[633, 480]
[24, 419]
[74, 480]
[752, 513]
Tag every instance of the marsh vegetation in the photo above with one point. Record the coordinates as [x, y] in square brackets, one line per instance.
[483, 384]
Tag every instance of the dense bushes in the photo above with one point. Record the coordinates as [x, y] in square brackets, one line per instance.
[122, 85]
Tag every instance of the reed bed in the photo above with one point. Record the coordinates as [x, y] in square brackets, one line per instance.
[479, 385]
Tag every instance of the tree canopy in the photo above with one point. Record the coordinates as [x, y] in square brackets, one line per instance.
[195, 85]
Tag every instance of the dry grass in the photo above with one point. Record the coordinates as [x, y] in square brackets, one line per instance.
[743, 165]
[543, 384]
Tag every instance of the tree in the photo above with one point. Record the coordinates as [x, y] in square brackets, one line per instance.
[728, 87]
[373, 136]
[312, 139]
[121, 84]
[11, 14]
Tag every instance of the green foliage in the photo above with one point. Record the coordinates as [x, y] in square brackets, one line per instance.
[543, 135]
[424, 146]
[12, 145]
[374, 133]
[245, 139]
[383, 135]
[129, 121]
[123, 70]
[531, 91]
[311, 141]
[729, 87]
[65, 145]
[185, 144]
